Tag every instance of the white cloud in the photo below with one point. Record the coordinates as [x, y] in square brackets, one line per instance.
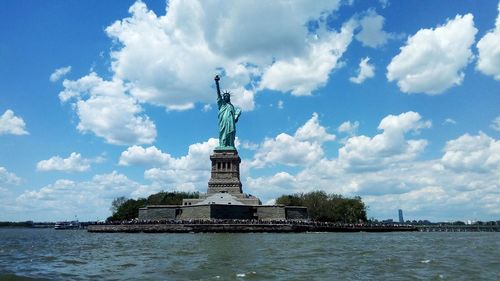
[89, 200]
[280, 104]
[313, 131]
[304, 148]
[169, 48]
[9, 186]
[390, 146]
[197, 157]
[365, 71]
[348, 127]
[105, 109]
[273, 186]
[449, 121]
[287, 150]
[74, 163]
[433, 60]
[495, 124]
[480, 152]
[489, 51]
[249, 145]
[207, 107]
[302, 75]
[458, 195]
[11, 124]
[426, 189]
[8, 178]
[144, 156]
[58, 73]
[384, 3]
[372, 33]
[187, 173]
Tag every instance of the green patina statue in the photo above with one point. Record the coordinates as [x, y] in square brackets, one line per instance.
[228, 116]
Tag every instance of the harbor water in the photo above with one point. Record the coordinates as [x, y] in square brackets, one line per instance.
[48, 254]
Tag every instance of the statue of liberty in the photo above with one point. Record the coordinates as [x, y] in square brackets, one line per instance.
[228, 116]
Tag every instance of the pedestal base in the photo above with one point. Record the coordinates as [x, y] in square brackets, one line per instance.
[225, 176]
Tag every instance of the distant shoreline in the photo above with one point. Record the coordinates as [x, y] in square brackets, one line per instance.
[186, 227]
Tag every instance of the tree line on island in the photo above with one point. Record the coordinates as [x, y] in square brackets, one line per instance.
[327, 207]
[127, 209]
[320, 205]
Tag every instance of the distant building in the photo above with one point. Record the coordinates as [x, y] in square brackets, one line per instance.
[400, 212]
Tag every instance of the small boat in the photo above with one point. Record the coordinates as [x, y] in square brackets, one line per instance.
[67, 225]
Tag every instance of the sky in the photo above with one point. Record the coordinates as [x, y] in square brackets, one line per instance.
[394, 101]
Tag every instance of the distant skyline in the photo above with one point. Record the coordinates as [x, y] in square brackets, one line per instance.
[394, 101]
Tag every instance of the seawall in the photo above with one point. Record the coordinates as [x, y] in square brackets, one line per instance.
[239, 228]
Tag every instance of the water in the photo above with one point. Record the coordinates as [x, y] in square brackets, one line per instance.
[33, 254]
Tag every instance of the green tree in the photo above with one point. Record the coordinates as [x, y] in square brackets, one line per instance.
[327, 207]
[317, 205]
[117, 202]
[124, 209]
[290, 200]
[170, 198]
[129, 209]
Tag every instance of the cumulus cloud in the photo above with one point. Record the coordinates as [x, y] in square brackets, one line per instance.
[249, 145]
[489, 51]
[449, 121]
[58, 73]
[480, 152]
[495, 124]
[187, 173]
[280, 104]
[363, 152]
[372, 33]
[8, 178]
[384, 3]
[415, 186]
[302, 75]
[433, 60]
[304, 148]
[276, 52]
[313, 131]
[464, 182]
[348, 127]
[11, 124]
[74, 163]
[65, 198]
[144, 156]
[105, 109]
[464, 186]
[169, 47]
[365, 71]
[9, 186]
[207, 108]
[287, 150]
[275, 185]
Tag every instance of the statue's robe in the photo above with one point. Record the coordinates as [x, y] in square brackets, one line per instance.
[228, 116]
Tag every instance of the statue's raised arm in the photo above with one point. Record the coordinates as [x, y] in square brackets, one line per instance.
[217, 78]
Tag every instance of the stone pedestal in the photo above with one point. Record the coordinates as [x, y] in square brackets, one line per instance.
[225, 176]
[224, 186]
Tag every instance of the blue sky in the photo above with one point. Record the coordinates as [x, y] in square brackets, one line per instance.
[395, 101]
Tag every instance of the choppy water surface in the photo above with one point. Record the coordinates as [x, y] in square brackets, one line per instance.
[79, 255]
